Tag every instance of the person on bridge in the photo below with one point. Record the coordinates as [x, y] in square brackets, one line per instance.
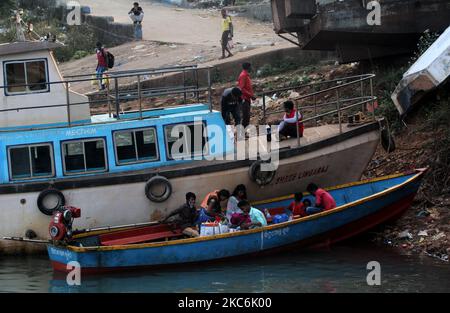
[227, 33]
[245, 84]
[137, 15]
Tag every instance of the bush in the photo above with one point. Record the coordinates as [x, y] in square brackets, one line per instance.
[280, 66]
[425, 41]
[387, 80]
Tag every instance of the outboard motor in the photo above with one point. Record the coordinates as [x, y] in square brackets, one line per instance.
[60, 227]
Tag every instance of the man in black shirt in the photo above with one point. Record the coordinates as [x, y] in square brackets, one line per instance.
[231, 103]
[186, 216]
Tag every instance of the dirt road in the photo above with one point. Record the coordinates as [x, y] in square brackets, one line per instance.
[173, 36]
[189, 26]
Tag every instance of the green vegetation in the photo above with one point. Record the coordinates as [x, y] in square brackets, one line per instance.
[387, 80]
[280, 66]
[5, 7]
[79, 40]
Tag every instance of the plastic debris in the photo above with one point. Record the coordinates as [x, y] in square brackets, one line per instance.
[422, 233]
[405, 235]
[423, 213]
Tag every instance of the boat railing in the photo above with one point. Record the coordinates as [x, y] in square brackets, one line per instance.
[190, 82]
[327, 98]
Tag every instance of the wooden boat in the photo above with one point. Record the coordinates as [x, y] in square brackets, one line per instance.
[360, 206]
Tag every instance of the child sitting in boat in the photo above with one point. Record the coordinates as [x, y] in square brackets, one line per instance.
[324, 201]
[249, 218]
[297, 207]
[187, 216]
[209, 213]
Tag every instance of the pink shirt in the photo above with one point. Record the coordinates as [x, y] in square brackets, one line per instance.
[324, 200]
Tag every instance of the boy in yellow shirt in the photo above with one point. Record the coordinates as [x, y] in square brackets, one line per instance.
[227, 33]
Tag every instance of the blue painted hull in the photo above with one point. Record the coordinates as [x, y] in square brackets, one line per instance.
[360, 207]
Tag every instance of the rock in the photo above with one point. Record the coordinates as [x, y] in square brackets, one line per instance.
[405, 235]
[294, 95]
[138, 47]
[259, 102]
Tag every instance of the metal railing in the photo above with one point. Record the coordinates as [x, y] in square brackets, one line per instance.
[340, 103]
[117, 94]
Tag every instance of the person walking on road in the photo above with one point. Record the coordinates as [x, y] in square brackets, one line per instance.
[102, 64]
[245, 84]
[227, 33]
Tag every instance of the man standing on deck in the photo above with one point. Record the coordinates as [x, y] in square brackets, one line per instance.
[137, 15]
[245, 84]
[227, 33]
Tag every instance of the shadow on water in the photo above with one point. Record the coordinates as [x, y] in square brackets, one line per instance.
[341, 268]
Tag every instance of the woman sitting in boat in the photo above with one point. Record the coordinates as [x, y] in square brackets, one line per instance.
[239, 194]
[288, 127]
[186, 216]
[324, 201]
[249, 218]
[222, 197]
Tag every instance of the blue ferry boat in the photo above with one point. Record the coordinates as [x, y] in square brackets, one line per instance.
[119, 165]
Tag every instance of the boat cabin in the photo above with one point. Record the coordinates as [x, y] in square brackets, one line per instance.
[31, 88]
[47, 131]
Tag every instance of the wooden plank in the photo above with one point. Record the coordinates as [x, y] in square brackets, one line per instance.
[141, 238]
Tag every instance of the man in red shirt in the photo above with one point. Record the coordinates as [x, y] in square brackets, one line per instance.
[102, 64]
[288, 127]
[245, 84]
[324, 201]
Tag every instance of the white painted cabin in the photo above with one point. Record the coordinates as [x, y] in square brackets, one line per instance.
[31, 79]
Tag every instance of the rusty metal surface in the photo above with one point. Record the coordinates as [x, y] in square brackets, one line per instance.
[342, 26]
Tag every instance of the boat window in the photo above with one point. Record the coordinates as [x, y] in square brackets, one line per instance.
[195, 147]
[84, 156]
[26, 76]
[33, 161]
[133, 146]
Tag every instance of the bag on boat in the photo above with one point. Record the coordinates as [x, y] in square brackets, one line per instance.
[210, 229]
[280, 218]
